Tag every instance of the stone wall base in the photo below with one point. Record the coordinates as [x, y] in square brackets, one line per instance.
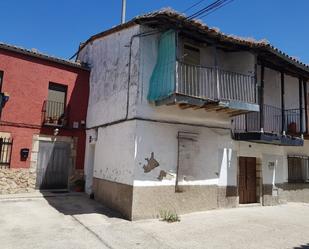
[17, 181]
[285, 192]
[294, 192]
[148, 202]
[114, 195]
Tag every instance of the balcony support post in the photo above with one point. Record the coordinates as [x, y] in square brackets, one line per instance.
[256, 93]
[282, 105]
[217, 74]
[306, 107]
[262, 99]
[300, 107]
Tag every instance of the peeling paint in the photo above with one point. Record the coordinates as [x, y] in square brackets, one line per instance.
[162, 175]
[151, 164]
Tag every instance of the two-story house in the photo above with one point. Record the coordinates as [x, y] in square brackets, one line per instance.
[42, 124]
[182, 117]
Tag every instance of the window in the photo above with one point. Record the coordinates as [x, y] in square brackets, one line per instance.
[191, 55]
[298, 169]
[55, 106]
[5, 152]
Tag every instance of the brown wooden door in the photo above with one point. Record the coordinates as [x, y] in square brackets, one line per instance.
[247, 180]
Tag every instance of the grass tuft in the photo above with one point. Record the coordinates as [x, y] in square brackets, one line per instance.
[169, 216]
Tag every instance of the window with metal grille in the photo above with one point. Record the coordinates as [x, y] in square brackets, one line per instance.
[298, 169]
[5, 152]
[54, 109]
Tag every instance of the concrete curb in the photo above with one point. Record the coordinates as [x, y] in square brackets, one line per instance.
[37, 195]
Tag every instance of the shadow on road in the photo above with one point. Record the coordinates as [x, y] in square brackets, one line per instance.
[302, 247]
[77, 203]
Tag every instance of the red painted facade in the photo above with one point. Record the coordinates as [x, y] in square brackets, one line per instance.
[26, 80]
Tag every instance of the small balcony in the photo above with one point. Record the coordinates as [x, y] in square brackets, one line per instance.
[275, 126]
[211, 88]
[55, 114]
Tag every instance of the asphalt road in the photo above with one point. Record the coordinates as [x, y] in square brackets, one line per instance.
[74, 221]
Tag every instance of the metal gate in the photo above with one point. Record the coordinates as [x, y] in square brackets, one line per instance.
[53, 165]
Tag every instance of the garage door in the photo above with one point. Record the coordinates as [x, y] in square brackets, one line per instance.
[53, 165]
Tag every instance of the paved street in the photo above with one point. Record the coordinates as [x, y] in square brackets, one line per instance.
[74, 221]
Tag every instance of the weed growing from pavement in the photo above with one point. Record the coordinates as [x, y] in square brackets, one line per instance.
[169, 216]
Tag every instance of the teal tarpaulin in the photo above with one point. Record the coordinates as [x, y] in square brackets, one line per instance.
[162, 81]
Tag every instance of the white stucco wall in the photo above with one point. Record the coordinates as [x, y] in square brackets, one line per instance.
[291, 88]
[108, 58]
[114, 153]
[213, 162]
[272, 88]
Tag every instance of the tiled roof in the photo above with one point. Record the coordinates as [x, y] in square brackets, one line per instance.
[179, 20]
[36, 54]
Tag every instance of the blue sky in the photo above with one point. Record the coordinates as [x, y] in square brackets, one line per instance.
[57, 27]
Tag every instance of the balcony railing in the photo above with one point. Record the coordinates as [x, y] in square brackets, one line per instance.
[54, 113]
[273, 121]
[214, 84]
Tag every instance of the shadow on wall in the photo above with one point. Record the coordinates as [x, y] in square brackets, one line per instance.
[77, 203]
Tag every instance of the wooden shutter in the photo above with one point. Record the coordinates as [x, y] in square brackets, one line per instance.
[295, 169]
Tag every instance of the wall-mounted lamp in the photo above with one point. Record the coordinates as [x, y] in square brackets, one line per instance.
[56, 132]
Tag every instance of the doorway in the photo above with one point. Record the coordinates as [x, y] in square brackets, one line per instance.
[247, 180]
[53, 165]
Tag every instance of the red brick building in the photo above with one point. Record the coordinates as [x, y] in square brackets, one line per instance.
[42, 124]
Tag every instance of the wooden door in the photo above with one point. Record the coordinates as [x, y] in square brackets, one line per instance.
[247, 180]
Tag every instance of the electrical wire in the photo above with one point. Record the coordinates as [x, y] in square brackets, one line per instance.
[228, 2]
[209, 9]
[203, 10]
[192, 6]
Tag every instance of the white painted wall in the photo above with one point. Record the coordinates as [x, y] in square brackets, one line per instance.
[114, 153]
[291, 87]
[108, 58]
[213, 163]
[91, 138]
[272, 88]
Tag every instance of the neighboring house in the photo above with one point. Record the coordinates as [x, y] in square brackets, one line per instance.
[42, 123]
[182, 117]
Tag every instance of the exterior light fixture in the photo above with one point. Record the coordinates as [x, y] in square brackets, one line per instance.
[56, 132]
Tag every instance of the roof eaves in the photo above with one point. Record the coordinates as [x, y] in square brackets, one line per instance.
[170, 15]
[36, 54]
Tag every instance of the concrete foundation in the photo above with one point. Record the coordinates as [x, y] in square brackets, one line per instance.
[148, 202]
[114, 195]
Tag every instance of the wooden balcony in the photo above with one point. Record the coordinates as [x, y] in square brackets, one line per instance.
[213, 89]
